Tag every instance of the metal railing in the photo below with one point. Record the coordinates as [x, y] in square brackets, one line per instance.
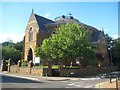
[116, 77]
[118, 81]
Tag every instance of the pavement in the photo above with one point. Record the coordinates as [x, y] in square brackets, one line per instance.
[109, 85]
[113, 84]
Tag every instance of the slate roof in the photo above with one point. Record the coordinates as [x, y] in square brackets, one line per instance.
[96, 36]
[73, 20]
[88, 26]
[42, 22]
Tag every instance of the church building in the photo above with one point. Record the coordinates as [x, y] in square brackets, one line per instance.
[38, 28]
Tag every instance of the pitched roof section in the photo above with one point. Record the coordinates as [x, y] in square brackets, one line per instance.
[87, 26]
[71, 19]
[42, 21]
[96, 36]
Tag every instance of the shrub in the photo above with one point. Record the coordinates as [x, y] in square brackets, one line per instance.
[24, 62]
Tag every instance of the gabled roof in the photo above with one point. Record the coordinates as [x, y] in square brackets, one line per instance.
[42, 21]
[68, 19]
[96, 36]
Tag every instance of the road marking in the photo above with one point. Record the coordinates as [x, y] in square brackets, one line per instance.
[77, 85]
[64, 81]
[86, 79]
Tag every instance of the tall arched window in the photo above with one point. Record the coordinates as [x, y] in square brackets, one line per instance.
[31, 34]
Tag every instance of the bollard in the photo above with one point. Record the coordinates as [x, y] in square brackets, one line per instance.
[9, 64]
[116, 83]
[110, 78]
[18, 66]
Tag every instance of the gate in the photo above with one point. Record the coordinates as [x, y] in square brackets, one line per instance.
[55, 72]
[4, 65]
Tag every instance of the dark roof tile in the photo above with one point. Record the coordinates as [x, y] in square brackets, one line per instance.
[96, 36]
[42, 21]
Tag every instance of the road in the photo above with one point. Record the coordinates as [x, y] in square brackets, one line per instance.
[15, 82]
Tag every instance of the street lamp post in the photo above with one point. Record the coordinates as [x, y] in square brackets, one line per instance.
[110, 62]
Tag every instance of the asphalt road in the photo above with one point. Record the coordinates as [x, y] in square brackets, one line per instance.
[15, 82]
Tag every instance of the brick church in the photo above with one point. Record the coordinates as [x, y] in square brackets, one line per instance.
[38, 28]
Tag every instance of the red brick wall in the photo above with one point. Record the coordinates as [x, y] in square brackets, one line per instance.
[86, 71]
[26, 70]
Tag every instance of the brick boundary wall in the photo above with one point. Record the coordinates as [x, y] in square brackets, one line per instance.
[25, 69]
[86, 71]
[64, 72]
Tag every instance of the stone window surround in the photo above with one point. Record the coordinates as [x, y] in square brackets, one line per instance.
[29, 33]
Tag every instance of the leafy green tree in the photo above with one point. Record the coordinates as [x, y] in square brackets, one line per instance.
[69, 42]
[109, 40]
[116, 52]
[19, 46]
[11, 53]
[8, 43]
[114, 47]
[12, 50]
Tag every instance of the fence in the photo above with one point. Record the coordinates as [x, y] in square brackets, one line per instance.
[118, 82]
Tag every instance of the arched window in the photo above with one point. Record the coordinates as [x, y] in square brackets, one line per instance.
[31, 34]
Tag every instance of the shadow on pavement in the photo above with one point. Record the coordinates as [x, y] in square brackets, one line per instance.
[9, 79]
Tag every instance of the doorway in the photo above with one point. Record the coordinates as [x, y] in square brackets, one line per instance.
[30, 55]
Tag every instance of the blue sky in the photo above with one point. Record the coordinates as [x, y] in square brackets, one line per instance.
[97, 14]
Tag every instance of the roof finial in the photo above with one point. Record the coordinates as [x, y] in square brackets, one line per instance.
[102, 29]
[32, 10]
[69, 14]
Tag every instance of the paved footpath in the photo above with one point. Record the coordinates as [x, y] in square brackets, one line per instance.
[109, 85]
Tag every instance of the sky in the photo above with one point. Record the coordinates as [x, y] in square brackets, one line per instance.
[15, 16]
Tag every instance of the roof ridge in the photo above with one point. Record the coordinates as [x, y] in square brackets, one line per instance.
[42, 21]
[42, 16]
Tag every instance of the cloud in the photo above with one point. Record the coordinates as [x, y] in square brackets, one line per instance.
[47, 15]
[15, 37]
[115, 36]
[106, 30]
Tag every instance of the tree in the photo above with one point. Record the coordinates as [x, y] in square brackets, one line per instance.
[114, 47]
[8, 43]
[109, 41]
[11, 53]
[69, 42]
[116, 53]
[18, 45]
[12, 50]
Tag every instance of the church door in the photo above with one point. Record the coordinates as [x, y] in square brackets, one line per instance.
[30, 55]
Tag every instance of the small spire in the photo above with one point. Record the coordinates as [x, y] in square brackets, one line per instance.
[32, 10]
[69, 14]
[102, 29]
